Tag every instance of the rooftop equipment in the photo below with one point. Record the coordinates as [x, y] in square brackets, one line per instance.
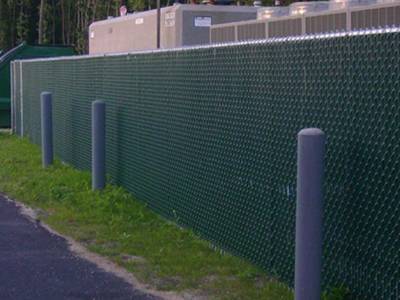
[272, 12]
[301, 8]
[181, 25]
[303, 18]
[339, 4]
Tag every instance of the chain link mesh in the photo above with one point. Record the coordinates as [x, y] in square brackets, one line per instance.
[207, 137]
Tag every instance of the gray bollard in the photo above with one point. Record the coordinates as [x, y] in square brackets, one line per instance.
[98, 145]
[309, 214]
[47, 128]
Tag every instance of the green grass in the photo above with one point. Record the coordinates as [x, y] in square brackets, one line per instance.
[114, 224]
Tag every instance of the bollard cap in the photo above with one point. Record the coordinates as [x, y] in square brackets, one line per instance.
[311, 132]
[98, 102]
[44, 93]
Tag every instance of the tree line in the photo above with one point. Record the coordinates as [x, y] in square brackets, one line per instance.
[63, 22]
[58, 22]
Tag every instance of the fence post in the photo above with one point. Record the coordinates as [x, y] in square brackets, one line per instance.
[47, 128]
[98, 144]
[309, 214]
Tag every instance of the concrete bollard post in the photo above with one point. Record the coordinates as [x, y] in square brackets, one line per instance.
[47, 128]
[98, 145]
[309, 214]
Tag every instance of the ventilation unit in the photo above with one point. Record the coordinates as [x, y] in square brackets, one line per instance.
[326, 23]
[301, 8]
[282, 28]
[251, 31]
[272, 12]
[223, 34]
[181, 25]
[375, 17]
[312, 18]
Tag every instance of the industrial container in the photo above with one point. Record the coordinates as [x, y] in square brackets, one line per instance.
[381, 14]
[181, 25]
[303, 18]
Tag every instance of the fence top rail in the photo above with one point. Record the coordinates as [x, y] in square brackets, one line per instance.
[230, 44]
[7, 54]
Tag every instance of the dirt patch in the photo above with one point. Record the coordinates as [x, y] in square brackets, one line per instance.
[109, 245]
[133, 259]
[41, 214]
[87, 242]
[166, 283]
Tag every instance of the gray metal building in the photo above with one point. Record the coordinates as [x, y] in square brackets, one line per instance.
[181, 25]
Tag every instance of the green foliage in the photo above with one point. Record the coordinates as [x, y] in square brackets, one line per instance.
[338, 293]
[114, 224]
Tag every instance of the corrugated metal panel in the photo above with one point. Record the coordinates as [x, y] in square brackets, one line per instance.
[374, 18]
[252, 31]
[223, 34]
[282, 28]
[326, 23]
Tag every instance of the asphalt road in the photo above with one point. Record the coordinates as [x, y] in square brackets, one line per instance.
[34, 264]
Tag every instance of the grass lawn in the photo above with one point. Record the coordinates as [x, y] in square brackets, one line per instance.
[114, 224]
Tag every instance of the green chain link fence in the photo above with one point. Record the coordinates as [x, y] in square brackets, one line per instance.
[207, 137]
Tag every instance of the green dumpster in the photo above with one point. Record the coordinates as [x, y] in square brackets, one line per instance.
[23, 51]
[4, 112]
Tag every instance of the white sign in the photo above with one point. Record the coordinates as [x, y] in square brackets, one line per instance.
[169, 23]
[202, 21]
[170, 15]
[139, 21]
[169, 19]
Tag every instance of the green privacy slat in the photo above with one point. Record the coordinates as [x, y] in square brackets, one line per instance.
[207, 137]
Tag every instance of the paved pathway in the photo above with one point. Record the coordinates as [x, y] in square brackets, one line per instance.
[34, 264]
